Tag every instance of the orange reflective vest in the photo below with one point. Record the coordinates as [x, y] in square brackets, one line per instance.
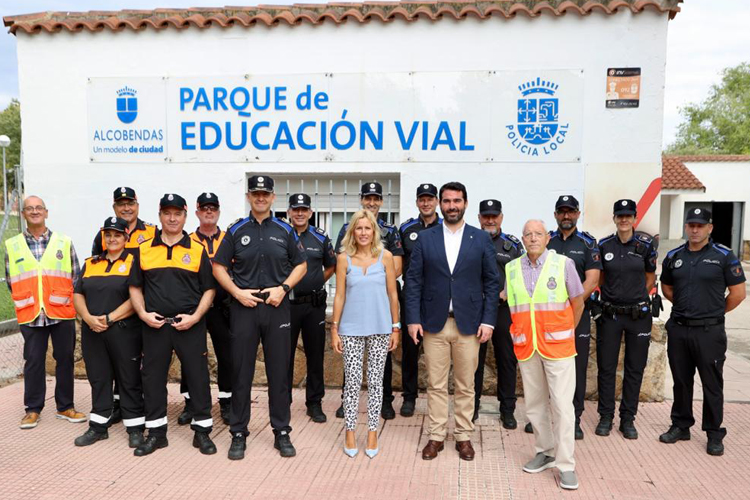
[46, 283]
[543, 322]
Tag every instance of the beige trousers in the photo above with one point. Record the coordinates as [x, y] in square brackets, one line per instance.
[550, 385]
[439, 349]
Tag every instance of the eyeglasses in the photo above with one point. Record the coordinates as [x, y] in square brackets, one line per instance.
[535, 234]
[128, 203]
[209, 208]
[38, 208]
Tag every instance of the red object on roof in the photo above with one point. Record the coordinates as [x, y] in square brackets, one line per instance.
[337, 13]
[676, 175]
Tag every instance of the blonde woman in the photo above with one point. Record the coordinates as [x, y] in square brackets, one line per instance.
[365, 318]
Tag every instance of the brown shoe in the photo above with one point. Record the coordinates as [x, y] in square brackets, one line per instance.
[465, 450]
[30, 421]
[432, 449]
[71, 415]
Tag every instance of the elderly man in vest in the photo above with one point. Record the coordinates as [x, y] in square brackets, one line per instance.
[545, 296]
[41, 268]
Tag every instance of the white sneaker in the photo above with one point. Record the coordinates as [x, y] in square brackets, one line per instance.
[568, 480]
[539, 463]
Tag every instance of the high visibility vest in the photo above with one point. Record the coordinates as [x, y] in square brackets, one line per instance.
[47, 283]
[543, 323]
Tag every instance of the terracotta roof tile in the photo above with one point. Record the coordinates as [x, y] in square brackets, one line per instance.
[712, 158]
[292, 15]
[675, 175]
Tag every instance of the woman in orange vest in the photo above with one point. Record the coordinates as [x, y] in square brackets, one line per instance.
[110, 337]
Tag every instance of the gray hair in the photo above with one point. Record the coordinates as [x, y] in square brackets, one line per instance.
[530, 221]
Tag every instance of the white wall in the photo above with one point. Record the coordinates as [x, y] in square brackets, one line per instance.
[621, 148]
[724, 181]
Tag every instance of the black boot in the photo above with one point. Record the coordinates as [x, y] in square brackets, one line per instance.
[528, 429]
[135, 438]
[282, 443]
[116, 413]
[387, 411]
[475, 417]
[187, 414]
[340, 411]
[225, 405]
[675, 434]
[315, 412]
[715, 447]
[238, 447]
[578, 430]
[605, 426]
[90, 437]
[150, 445]
[628, 430]
[202, 441]
[508, 420]
[407, 408]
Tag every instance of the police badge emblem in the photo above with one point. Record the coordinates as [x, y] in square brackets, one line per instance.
[122, 268]
[245, 240]
[552, 283]
[186, 259]
[59, 255]
[141, 238]
[413, 236]
[609, 256]
[678, 263]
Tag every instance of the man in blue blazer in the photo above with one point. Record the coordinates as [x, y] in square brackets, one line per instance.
[452, 287]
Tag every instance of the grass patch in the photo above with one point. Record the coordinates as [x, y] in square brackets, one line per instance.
[7, 311]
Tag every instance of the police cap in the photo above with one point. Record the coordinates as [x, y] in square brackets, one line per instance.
[490, 207]
[699, 216]
[624, 207]
[567, 201]
[427, 190]
[208, 199]
[369, 188]
[260, 183]
[172, 200]
[115, 224]
[124, 193]
[299, 200]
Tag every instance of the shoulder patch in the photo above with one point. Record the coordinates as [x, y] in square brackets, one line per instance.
[725, 250]
[587, 238]
[606, 239]
[319, 233]
[385, 225]
[644, 237]
[408, 223]
[234, 226]
[675, 251]
[281, 222]
[553, 234]
[512, 238]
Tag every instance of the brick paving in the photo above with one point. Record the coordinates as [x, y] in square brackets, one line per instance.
[42, 463]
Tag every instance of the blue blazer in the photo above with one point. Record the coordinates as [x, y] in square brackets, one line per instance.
[474, 284]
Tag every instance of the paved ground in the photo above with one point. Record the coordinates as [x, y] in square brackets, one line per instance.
[43, 463]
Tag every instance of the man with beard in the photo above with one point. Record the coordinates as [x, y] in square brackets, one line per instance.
[507, 248]
[427, 205]
[451, 301]
[582, 249]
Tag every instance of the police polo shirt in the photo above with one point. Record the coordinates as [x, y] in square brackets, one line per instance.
[260, 254]
[211, 244]
[388, 234]
[320, 255]
[104, 283]
[625, 265]
[174, 278]
[580, 247]
[507, 248]
[408, 233]
[143, 231]
[700, 279]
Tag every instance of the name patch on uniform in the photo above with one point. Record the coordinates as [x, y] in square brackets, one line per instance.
[710, 261]
[678, 263]
[274, 238]
[552, 284]
[609, 256]
[413, 236]
[245, 240]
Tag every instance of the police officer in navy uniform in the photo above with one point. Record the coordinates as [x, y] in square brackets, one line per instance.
[581, 247]
[266, 260]
[427, 202]
[210, 235]
[371, 198]
[629, 274]
[308, 303]
[695, 278]
[507, 248]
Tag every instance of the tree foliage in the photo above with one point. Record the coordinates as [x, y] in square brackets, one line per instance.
[10, 125]
[721, 123]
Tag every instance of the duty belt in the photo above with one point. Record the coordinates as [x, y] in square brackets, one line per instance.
[699, 322]
[635, 311]
[317, 298]
[262, 295]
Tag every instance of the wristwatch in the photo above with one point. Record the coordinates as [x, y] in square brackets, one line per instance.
[285, 287]
[396, 325]
[109, 321]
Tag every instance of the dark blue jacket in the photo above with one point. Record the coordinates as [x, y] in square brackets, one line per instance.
[474, 285]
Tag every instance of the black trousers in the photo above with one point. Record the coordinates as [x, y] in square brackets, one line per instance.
[217, 322]
[114, 354]
[35, 342]
[704, 348]
[191, 348]
[583, 341]
[409, 360]
[505, 360]
[637, 339]
[311, 321]
[269, 325]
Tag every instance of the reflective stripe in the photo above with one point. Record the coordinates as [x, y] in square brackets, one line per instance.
[23, 276]
[519, 339]
[565, 334]
[186, 395]
[57, 273]
[209, 422]
[150, 424]
[23, 302]
[520, 308]
[132, 422]
[59, 301]
[223, 395]
[98, 419]
[551, 306]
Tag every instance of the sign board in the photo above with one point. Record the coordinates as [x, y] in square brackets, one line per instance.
[467, 116]
[623, 87]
